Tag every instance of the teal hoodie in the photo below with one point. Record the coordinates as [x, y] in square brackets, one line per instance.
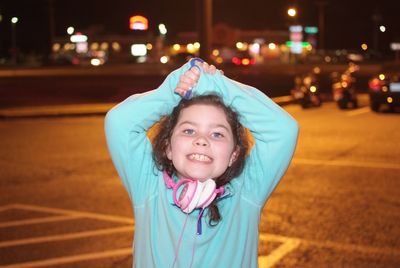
[233, 242]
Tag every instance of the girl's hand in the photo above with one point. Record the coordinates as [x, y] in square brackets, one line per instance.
[208, 69]
[189, 79]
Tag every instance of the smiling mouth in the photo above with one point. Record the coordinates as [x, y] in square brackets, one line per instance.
[200, 158]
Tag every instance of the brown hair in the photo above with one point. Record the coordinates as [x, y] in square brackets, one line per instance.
[163, 138]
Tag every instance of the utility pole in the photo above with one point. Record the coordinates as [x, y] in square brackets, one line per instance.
[321, 23]
[376, 18]
[205, 31]
[51, 27]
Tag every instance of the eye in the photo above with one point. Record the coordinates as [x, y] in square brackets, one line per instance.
[188, 131]
[217, 135]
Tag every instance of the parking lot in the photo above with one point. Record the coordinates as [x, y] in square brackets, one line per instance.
[62, 204]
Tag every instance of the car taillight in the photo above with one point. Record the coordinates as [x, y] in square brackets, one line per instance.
[245, 61]
[375, 84]
[236, 61]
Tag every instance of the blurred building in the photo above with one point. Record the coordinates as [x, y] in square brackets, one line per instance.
[230, 45]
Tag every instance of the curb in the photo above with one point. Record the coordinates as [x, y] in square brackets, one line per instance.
[56, 110]
[79, 109]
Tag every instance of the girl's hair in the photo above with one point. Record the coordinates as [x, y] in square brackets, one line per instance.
[163, 139]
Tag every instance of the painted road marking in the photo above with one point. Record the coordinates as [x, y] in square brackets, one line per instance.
[358, 111]
[67, 236]
[90, 215]
[288, 244]
[38, 220]
[73, 259]
[333, 245]
[6, 207]
[344, 163]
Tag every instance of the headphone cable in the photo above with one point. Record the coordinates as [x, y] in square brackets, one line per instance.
[179, 241]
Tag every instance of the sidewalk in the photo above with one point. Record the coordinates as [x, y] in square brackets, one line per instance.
[78, 109]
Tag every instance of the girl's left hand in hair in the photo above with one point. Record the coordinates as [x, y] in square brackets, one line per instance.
[189, 79]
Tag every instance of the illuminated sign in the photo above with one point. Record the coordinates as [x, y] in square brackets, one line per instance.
[395, 46]
[296, 38]
[296, 29]
[78, 38]
[138, 50]
[138, 23]
[303, 44]
[82, 47]
[310, 30]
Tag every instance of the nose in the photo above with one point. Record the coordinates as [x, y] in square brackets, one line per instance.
[201, 141]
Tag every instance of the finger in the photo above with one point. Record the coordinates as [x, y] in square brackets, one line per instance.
[212, 69]
[190, 76]
[187, 82]
[209, 69]
[198, 64]
[186, 85]
[193, 73]
[205, 67]
[180, 91]
[195, 70]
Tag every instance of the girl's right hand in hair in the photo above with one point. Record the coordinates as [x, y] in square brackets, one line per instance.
[189, 79]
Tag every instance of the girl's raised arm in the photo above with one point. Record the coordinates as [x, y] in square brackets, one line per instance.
[125, 127]
[274, 130]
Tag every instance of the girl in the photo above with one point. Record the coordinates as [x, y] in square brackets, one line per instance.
[199, 170]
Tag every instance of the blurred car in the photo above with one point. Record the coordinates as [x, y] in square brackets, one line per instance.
[243, 59]
[384, 89]
[343, 87]
[306, 89]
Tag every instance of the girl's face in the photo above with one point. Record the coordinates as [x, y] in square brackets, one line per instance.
[202, 144]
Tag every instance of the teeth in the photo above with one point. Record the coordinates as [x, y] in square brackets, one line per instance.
[200, 157]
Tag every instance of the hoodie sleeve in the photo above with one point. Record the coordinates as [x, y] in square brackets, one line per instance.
[125, 128]
[274, 130]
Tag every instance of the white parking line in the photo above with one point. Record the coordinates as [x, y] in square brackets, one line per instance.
[73, 259]
[68, 236]
[345, 163]
[276, 255]
[97, 216]
[38, 220]
[288, 245]
[358, 111]
[6, 207]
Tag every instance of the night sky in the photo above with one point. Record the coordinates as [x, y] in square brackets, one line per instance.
[348, 22]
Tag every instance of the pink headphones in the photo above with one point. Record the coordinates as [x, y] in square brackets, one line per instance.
[195, 194]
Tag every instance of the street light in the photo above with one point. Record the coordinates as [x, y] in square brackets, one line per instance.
[162, 28]
[70, 30]
[14, 21]
[160, 40]
[292, 12]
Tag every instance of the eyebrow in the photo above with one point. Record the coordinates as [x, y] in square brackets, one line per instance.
[213, 125]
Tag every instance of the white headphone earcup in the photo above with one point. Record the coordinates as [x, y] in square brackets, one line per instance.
[208, 193]
[196, 196]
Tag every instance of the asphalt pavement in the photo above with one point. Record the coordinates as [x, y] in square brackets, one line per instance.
[62, 204]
